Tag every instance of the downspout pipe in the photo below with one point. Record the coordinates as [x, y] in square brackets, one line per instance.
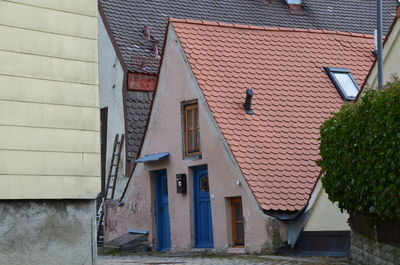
[379, 42]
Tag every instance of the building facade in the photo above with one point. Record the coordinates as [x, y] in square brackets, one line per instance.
[50, 131]
[216, 174]
[132, 37]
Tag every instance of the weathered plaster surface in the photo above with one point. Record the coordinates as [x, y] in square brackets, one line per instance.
[176, 85]
[47, 232]
[111, 85]
[326, 216]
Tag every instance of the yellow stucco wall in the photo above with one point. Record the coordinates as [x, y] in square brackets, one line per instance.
[326, 216]
[391, 59]
[49, 99]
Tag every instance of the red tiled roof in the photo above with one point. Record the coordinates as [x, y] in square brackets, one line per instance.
[276, 148]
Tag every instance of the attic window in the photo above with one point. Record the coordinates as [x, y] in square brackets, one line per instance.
[191, 129]
[344, 82]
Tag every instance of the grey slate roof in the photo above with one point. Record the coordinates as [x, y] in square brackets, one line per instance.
[127, 18]
[138, 107]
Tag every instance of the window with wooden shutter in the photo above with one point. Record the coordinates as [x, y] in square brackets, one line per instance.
[237, 222]
[192, 130]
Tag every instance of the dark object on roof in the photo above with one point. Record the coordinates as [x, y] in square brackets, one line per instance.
[127, 18]
[152, 157]
[247, 103]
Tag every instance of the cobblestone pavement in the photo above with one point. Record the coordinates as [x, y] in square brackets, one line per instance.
[170, 259]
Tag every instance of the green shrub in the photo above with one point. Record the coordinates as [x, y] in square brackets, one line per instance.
[360, 155]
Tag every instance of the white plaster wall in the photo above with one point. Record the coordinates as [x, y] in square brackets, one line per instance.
[325, 215]
[164, 134]
[111, 77]
[391, 59]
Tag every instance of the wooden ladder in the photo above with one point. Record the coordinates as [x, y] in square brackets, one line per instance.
[110, 187]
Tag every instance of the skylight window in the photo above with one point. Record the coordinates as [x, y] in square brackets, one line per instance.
[344, 82]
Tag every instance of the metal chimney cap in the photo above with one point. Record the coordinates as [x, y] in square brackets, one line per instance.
[247, 102]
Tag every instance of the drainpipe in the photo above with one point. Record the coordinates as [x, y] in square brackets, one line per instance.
[379, 42]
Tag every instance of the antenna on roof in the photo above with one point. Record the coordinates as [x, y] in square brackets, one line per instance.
[247, 103]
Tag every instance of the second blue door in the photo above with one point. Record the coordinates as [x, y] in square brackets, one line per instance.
[162, 216]
[202, 211]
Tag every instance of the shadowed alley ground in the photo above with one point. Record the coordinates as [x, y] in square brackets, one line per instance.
[205, 259]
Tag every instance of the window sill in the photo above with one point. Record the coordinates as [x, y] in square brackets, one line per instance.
[193, 157]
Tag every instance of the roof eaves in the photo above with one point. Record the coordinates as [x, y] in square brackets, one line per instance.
[286, 215]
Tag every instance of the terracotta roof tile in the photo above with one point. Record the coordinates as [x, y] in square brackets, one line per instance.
[276, 148]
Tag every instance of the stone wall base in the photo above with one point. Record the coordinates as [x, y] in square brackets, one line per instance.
[47, 232]
[364, 251]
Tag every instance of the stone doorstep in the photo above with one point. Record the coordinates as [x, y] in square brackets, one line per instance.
[205, 250]
[236, 251]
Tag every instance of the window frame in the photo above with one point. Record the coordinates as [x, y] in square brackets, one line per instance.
[331, 71]
[193, 106]
[234, 202]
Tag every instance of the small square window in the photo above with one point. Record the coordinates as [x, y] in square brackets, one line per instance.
[344, 82]
[191, 129]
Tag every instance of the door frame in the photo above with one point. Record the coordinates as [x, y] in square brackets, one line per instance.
[195, 210]
[160, 225]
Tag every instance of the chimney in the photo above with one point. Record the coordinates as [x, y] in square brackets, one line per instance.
[247, 103]
[155, 49]
[146, 32]
[294, 5]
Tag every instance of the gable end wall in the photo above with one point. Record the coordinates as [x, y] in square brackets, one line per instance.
[176, 85]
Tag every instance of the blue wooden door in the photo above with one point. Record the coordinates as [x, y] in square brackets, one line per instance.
[162, 216]
[202, 209]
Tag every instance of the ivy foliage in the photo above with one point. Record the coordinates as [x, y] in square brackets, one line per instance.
[360, 155]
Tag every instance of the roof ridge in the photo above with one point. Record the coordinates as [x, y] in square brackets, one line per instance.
[252, 27]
